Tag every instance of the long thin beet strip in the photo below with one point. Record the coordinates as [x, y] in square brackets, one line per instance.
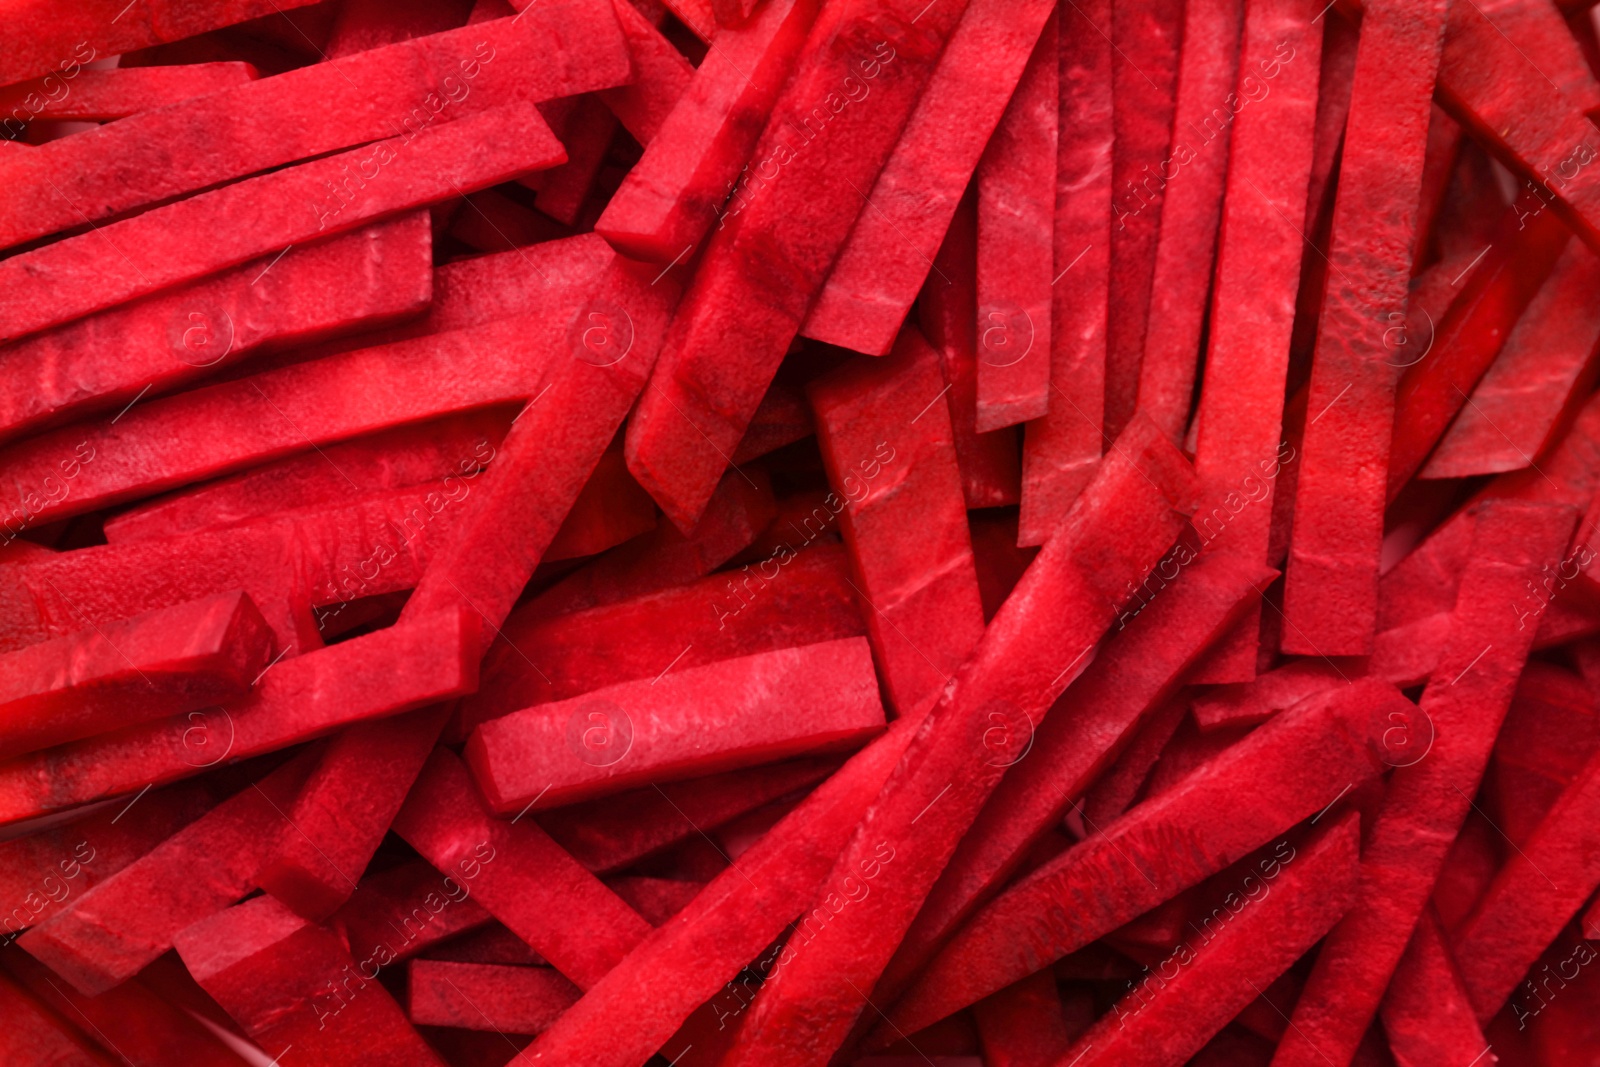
[1258, 269]
[1426, 1014]
[481, 996]
[213, 430]
[890, 251]
[164, 662]
[299, 698]
[660, 75]
[1545, 368]
[1471, 334]
[1029, 654]
[1023, 1025]
[803, 599]
[1538, 891]
[1060, 450]
[731, 922]
[409, 909]
[1287, 770]
[1132, 675]
[1331, 579]
[139, 255]
[683, 724]
[362, 25]
[887, 444]
[48, 38]
[405, 89]
[102, 362]
[99, 95]
[532, 885]
[296, 988]
[674, 194]
[128, 920]
[1145, 39]
[34, 1034]
[759, 274]
[1016, 182]
[344, 809]
[1164, 1022]
[1191, 210]
[1425, 803]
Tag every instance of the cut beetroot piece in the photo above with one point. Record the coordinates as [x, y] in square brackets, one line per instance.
[671, 197]
[1534, 896]
[1470, 335]
[982, 724]
[301, 697]
[522, 877]
[617, 831]
[660, 75]
[1061, 450]
[681, 724]
[759, 274]
[297, 989]
[1164, 1021]
[46, 871]
[1249, 703]
[562, 190]
[362, 25]
[1191, 211]
[478, 996]
[544, 657]
[46, 286]
[1016, 182]
[783, 418]
[34, 1034]
[408, 909]
[1258, 266]
[129, 919]
[1426, 1013]
[1145, 42]
[1132, 675]
[610, 509]
[114, 94]
[1315, 752]
[345, 808]
[105, 361]
[161, 663]
[888, 447]
[607, 350]
[1023, 1025]
[312, 111]
[1114, 791]
[735, 919]
[47, 40]
[1545, 370]
[449, 452]
[1331, 580]
[665, 557]
[131, 1020]
[1548, 736]
[990, 473]
[1427, 800]
[889, 253]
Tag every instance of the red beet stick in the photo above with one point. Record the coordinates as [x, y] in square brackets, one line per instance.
[1315, 752]
[1016, 181]
[484, 996]
[138, 255]
[34, 1034]
[532, 885]
[1023, 1025]
[1207, 980]
[1120, 526]
[1426, 1013]
[1191, 210]
[101, 95]
[660, 75]
[757, 278]
[1425, 803]
[103, 362]
[889, 254]
[889, 449]
[1258, 269]
[1331, 579]
[735, 713]
[164, 662]
[406, 88]
[1060, 450]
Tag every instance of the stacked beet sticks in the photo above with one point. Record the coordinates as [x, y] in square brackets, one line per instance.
[799, 533]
